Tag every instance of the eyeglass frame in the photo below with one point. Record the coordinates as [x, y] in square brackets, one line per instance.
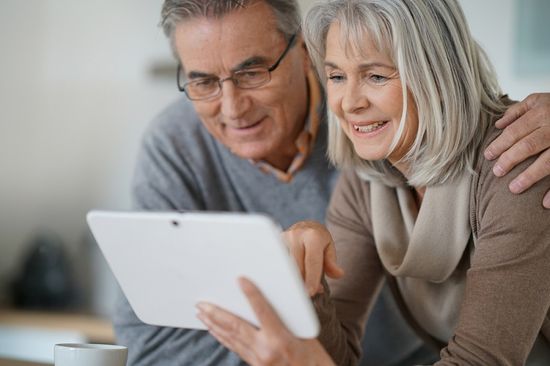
[270, 69]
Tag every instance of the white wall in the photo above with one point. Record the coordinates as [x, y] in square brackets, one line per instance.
[494, 24]
[75, 95]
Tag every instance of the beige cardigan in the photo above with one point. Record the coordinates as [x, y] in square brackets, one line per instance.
[472, 266]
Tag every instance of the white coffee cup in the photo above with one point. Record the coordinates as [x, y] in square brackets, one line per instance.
[78, 354]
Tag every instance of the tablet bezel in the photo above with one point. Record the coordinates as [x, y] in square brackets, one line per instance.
[166, 262]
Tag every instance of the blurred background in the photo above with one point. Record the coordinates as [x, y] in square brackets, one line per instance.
[79, 81]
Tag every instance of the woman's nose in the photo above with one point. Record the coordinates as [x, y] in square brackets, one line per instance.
[354, 97]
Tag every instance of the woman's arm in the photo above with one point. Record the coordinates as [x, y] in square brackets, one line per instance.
[342, 310]
[352, 296]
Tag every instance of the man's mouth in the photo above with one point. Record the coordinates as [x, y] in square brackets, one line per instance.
[249, 126]
[244, 128]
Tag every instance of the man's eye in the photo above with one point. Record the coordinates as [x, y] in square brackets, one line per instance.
[249, 75]
[204, 83]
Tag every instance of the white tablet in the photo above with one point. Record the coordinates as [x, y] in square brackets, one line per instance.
[167, 262]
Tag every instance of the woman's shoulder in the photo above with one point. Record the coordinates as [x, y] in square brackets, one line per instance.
[351, 197]
[481, 164]
[492, 200]
[351, 184]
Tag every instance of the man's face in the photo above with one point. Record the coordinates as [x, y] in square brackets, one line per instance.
[261, 123]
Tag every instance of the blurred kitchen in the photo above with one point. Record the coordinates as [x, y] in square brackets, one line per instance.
[79, 81]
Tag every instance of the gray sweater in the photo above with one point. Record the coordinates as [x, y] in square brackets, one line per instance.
[182, 167]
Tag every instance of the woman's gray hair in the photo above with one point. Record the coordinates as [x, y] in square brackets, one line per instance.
[449, 76]
[287, 13]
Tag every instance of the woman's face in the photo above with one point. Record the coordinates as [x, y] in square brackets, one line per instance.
[364, 91]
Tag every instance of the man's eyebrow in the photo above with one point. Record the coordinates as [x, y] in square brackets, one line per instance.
[250, 62]
[199, 75]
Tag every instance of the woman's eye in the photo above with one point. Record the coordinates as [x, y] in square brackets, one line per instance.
[335, 78]
[378, 79]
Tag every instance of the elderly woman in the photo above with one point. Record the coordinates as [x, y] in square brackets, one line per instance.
[413, 100]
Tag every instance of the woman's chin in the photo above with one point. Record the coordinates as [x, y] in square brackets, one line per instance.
[370, 153]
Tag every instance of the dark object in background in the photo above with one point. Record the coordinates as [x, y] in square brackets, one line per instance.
[45, 281]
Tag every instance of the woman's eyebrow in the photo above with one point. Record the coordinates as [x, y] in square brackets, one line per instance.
[364, 66]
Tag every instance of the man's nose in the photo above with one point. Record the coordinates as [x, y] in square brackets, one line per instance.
[235, 102]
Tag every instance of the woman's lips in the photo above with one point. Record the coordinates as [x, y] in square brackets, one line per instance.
[368, 127]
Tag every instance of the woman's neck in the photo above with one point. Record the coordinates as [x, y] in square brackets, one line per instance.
[419, 195]
[418, 192]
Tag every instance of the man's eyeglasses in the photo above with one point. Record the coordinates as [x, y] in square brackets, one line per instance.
[211, 87]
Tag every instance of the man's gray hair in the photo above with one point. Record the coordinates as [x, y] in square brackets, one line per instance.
[287, 13]
[448, 75]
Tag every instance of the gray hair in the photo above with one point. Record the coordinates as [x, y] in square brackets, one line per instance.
[287, 13]
[449, 76]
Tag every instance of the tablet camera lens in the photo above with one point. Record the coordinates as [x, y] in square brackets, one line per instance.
[175, 223]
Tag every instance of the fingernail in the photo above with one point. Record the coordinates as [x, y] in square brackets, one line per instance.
[546, 202]
[516, 186]
[498, 171]
[205, 320]
[489, 154]
[203, 307]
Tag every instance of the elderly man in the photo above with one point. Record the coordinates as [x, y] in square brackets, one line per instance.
[250, 137]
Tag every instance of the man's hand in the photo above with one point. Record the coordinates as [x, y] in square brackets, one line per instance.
[271, 344]
[312, 247]
[526, 133]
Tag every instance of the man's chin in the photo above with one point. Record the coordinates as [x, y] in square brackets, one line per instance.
[251, 152]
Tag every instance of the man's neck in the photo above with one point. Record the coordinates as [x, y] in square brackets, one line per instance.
[283, 158]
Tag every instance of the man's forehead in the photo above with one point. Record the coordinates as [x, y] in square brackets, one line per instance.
[239, 39]
[251, 17]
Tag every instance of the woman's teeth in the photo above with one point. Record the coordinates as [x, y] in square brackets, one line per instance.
[369, 128]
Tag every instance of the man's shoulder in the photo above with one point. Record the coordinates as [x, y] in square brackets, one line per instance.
[178, 126]
[178, 116]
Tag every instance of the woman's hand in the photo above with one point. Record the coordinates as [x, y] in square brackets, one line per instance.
[271, 344]
[312, 247]
[526, 133]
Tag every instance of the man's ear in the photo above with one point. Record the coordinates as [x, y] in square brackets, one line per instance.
[306, 60]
